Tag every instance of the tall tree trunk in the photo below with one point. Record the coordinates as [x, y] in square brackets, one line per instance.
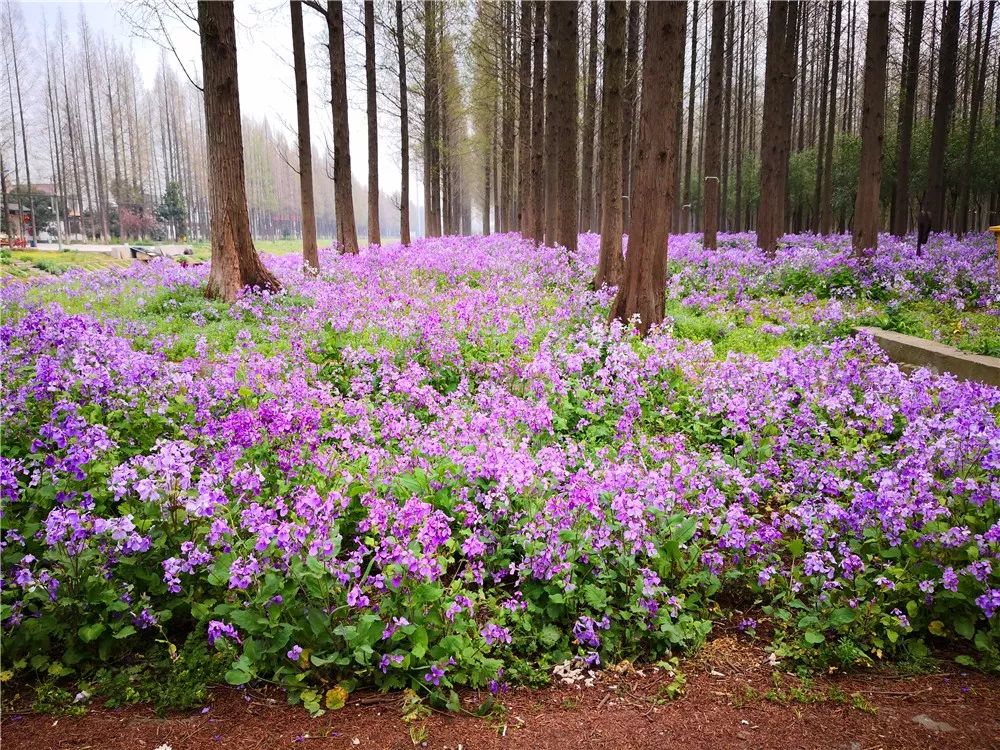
[487, 193]
[589, 115]
[727, 121]
[564, 74]
[524, 220]
[235, 263]
[867, 208]
[776, 134]
[943, 108]
[689, 147]
[24, 133]
[911, 66]
[976, 96]
[116, 188]
[611, 262]
[826, 191]
[102, 193]
[713, 123]
[823, 130]
[537, 186]
[432, 178]
[310, 251]
[630, 99]
[552, 113]
[374, 230]
[643, 289]
[740, 125]
[404, 132]
[347, 234]
[506, 121]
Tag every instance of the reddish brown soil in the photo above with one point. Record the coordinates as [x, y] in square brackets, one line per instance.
[725, 705]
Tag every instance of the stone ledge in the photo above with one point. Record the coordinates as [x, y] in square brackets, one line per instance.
[913, 350]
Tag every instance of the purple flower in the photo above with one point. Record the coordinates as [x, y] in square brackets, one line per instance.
[493, 633]
[434, 675]
[218, 629]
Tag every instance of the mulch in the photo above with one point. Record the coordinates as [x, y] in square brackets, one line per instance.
[733, 699]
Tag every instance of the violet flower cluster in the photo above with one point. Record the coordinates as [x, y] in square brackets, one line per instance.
[431, 462]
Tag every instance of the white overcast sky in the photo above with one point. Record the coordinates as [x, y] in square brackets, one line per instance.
[264, 51]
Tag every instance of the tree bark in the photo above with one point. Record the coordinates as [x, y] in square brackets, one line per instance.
[740, 126]
[776, 134]
[404, 132]
[611, 262]
[537, 185]
[713, 124]
[347, 234]
[943, 108]
[564, 72]
[976, 95]
[643, 289]
[310, 251]
[826, 191]
[524, 218]
[867, 208]
[628, 118]
[689, 147]
[911, 65]
[727, 120]
[432, 177]
[589, 116]
[235, 263]
[374, 230]
[823, 120]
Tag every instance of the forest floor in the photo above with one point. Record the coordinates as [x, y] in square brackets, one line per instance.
[731, 699]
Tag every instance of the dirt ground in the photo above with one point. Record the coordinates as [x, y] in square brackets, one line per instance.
[732, 699]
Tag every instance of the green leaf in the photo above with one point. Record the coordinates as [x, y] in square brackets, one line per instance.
[596, 597]
[964, 627]
[91, 632]
[336, 698]
[814, 637]
[125, 632]
[842, 616]
[238, 677]
[419, 643]
[549, 636]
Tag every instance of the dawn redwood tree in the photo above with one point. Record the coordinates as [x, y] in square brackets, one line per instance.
[976, 98]
[866, 206]
[310, 252]
[776, 133]
[643, 288]
[589, 115]
[524, 220]
[404, 132]
[374, 231]
[908, 101]
[235, 263]
[537, 185]
[563, 74]
[824, 132]
[713, 123]
[943, 107]
[611, 262]
[631, 95]
[432, 149]
[689, 148]
[825, 207]
[343, 191]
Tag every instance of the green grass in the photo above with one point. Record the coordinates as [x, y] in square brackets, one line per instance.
[23, 263]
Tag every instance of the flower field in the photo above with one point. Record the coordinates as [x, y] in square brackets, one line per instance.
[437, 466]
